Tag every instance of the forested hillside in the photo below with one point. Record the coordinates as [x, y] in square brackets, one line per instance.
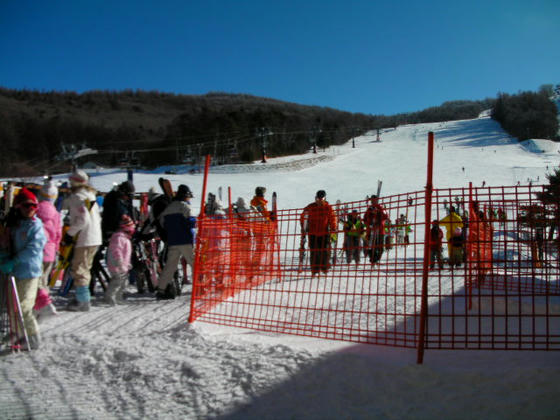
[149, 129]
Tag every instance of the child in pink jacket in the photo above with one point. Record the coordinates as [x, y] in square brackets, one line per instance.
[118, 257]
[52, 224]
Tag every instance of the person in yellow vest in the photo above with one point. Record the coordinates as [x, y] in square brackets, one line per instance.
[451, 222]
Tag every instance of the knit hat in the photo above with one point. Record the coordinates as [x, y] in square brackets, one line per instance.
[152, 193]
[321, 194]
[183, 192]
[49, 191]
[79, 178]
[127, 187]
[24, 196]
[241, 204]
[126, 223]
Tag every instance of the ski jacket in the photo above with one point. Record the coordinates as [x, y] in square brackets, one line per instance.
[354, 228]
[178, 223]
[436, 237]
[28, 240]
[375, 218]
[260, 203]
[114, 207]
[85, 219]
[119, 253]
[451, 222]
[320, 219]
[52, 223]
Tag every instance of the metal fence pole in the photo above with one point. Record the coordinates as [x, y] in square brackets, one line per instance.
[428, 217]
[197, 253]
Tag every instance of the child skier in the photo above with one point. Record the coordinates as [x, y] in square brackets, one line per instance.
[46, 211]
[456, 248]
[25, 258]
[354, 230]
[436, 238]
[118, 260]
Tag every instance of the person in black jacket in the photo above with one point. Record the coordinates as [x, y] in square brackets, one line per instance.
[117, 203]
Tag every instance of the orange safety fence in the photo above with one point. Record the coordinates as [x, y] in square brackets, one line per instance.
[502, 292]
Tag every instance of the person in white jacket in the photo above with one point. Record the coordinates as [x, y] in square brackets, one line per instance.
[85, 233]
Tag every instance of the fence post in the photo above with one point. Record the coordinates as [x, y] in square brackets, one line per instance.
[428, 217]
[197, 253]
[469, 267]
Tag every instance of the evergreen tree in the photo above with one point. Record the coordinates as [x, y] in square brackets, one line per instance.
[550, 197]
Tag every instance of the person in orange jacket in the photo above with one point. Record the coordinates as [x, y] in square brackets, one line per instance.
[318, 221]
[260, 203]
[261, 232]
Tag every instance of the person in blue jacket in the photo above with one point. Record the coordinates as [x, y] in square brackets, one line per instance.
[25, 258]
[179, 225]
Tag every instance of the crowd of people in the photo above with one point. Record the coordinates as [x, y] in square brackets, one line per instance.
[34, 230]
[105, 230]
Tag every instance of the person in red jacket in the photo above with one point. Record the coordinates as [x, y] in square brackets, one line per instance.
[436, 239]
[375, 219]
[318, 220]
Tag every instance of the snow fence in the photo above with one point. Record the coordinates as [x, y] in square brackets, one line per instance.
[497, 287]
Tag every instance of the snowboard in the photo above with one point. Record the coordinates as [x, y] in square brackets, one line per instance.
[274, 213]
[166, 187]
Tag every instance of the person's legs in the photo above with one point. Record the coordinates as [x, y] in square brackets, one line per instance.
[81, 275]
[173, 256]
[27, 292]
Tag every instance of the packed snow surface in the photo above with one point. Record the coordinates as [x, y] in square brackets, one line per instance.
[144, 360]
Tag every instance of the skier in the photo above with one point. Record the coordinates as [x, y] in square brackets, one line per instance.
[118, 256]
[46, 211]
[116, 203]
[456, 248]
[375, 219]
[451, 222]
[214, 206]
[403, 230]
[321, 225]
[25, 258]
[243, 216]
[354, 230]
[260, 203]
[84, 233]
[436, 237]
[179, 225]
[263, 233]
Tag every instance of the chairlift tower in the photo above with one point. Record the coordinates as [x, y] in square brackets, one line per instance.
[263, 133]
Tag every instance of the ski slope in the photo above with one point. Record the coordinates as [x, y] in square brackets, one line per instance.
[143, 360]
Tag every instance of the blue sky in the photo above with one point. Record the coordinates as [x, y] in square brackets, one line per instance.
[375, 57]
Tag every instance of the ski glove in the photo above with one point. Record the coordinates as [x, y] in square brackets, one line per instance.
[334, 237]
[7, 266]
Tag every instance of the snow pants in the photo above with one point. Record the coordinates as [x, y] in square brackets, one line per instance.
[319, 253]
[436, 255]
[81, 265]
[115, 290]
[377, 245]
[174, 254]
[27, 292]
[47, 268]
[352, 248]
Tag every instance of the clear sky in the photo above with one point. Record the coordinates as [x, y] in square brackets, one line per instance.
[370, 56]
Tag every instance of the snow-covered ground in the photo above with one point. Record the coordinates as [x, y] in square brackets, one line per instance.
[143, 359]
